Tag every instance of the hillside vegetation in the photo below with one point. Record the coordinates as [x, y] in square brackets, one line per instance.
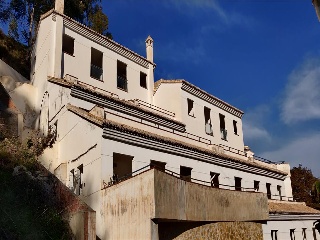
[14, 54]
[26, 209]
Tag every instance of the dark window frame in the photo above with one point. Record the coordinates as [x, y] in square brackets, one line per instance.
[237, 183]
[67, 41]
[96, 64]
[143, 80]
[122, 81]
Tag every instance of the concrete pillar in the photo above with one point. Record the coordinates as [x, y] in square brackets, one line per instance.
[149, 48]
[59, 6]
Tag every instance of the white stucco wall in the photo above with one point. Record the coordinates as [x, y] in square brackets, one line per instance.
[284, 227]
[200, 170]
[78, 66]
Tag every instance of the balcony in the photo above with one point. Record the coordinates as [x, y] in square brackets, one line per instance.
[208, 128]
[174, 198]
[223, 134]
[96, 72]
[122, 83]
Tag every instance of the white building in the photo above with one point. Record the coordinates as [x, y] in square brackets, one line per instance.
[112, 122]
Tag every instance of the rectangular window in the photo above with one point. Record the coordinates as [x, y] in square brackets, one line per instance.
[122, 166]
[235, 128]
[158, 165]
[214, 177]
[274, 234]
[68, 44]
[185, 173]
[190, 107]
[96, 64]
[122, 82]
[292, 236]
[237, 184]
[256, 185]
[268, 185]
[223, 129]
[279, 192]
[207, 120]
[304, 234]
[143, 80]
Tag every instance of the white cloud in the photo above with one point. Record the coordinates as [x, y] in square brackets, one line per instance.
[253, 121]
[304, 150]
[302, 94]
[252, 133]
[204, 4]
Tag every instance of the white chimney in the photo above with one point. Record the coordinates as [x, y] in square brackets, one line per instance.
[149, 48]
[59, 6]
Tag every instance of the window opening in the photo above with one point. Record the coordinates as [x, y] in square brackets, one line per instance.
[207, 120]
[190, 107]
[68, 44]
[314, 231]
[223, 129]
[256, 185]
[158, 165]
[292, 236]
[235, 128]
[185, 173]
[214, 177]
[96, 64]
[237, 181]
[274, 234]
[143, 80]
[304, 234]
[122, 82]
[122, 166]
[268, 185]
[279, 191]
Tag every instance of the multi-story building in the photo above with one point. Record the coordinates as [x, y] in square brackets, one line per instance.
[155, 160]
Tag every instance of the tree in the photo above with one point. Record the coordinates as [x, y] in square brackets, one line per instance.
[23, 15]
[316, 191]
[302, 181]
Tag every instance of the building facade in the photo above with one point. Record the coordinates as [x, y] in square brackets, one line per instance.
[155, 160]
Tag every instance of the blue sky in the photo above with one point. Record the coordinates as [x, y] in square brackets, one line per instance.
[261, 56]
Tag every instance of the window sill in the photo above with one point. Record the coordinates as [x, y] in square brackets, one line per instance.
[210, 134]
[125, 90]
[100, 80]
[192, 115]
[71, 55]
[224, 139]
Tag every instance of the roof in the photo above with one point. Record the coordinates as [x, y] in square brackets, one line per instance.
[78, 84]
[101, 39]
[201, 94]
[105, 122]
[285, 207]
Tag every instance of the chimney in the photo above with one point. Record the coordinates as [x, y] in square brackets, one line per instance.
[149, 48]
[59, 6]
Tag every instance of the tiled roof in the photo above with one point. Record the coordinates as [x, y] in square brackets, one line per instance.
[69, 84]
[284, 207]
[110, 123]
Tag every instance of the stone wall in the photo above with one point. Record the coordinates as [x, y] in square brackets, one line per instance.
[212, 231]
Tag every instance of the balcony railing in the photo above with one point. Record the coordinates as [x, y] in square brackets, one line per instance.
[153, 107]
[96, 72]
[122, 83]
[115, 180]
[223, 133]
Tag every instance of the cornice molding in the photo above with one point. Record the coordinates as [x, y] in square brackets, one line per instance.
[290, 217]
[128, 136]
[188, 87]
[126, 108]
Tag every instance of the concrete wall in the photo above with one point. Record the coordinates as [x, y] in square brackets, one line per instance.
[216, 231]
[181, 200]
[129, 206]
